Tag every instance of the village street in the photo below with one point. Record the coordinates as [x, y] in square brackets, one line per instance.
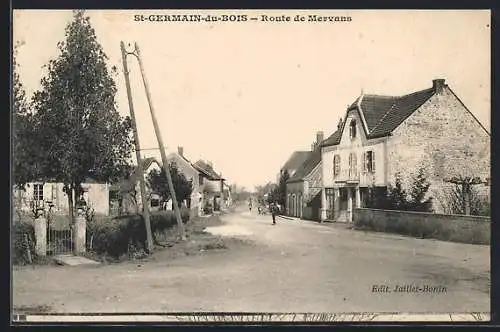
[295, 266]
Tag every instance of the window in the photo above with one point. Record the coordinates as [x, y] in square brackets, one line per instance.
[38, 192]
[336, 165]
[369, 161]
[352, 129]
[352, 164]
[155, 202]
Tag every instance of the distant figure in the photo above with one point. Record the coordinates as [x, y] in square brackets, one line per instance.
[259, 209]
[250, 206]
[274, 211]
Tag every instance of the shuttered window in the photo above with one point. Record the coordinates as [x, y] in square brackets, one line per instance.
[369, 161]
[352, 164]
[336, 165]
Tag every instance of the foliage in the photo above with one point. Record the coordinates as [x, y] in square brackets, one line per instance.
[115, 236]
[418, 200]
[157, 181]
[80, 133]
[278, 193]
[397, 198]
[454, 201]
[23, 241]
[24, 149]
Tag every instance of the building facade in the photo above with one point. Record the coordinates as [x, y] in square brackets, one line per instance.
[385, 136]
[304, 186]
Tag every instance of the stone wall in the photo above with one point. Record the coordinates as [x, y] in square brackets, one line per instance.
[453, 228]
[444, 138]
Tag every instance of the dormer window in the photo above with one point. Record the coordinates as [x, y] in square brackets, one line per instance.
[352, 129]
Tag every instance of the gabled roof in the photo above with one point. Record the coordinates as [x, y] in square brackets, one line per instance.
[147, 162]
[296, 160]
[172, 155]
[307, 166]
[383, 114]
[207, 170]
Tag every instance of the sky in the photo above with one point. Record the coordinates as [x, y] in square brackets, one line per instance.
[245, 95]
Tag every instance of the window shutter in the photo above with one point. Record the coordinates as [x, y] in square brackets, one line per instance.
[354, 162]
[364, 161]
[373, 161]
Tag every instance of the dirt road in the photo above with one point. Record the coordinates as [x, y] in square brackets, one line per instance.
[295, 266]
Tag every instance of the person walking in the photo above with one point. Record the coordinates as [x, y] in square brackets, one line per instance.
[274, 211]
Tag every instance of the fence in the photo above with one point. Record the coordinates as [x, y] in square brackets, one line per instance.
[446, 227]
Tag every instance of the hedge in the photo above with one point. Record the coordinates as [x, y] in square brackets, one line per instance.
[114, 236]
[23, 241]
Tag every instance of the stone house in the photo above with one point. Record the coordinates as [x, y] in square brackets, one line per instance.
[211, 185]
[303, 189]
[191, 173]
[382, 136]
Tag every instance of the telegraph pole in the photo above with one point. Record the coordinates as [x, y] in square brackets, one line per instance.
[140, 171]
[162, 149]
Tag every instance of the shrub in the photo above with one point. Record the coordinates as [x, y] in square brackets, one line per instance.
[115, 236]
[23, 241]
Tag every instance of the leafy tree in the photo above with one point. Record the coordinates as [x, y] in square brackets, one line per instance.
[24, 150]
[157, 181]
[80, 133]
[280, 194]
[397, 196]
[417, 196]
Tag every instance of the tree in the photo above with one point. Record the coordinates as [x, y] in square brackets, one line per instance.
[454, 201]
[24, 150]
[417, 196]
[464, 195]
[157, 181]
[280, 194]
[397, 196]
[80, 132]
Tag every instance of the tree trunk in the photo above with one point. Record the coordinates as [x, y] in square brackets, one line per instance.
[70, 206]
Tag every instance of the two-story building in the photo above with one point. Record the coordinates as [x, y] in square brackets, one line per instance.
[382, 136]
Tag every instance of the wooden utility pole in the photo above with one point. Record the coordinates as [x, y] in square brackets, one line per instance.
[162, 150]
[140, 171]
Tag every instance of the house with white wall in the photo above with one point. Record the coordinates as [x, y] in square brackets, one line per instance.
[50, 195]
[384, 136]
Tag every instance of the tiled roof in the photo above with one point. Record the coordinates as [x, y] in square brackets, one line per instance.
[383, 114]
[308, 166]
[208, 170]
[296, 160]
[333, 139]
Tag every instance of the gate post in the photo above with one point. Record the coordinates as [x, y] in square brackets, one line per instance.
[41, 235]
[80, 232]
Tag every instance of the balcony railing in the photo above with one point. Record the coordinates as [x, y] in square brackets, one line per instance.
[355, 176]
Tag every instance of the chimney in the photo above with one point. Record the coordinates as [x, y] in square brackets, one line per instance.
[438, 85]
[180, 151]
[209, 163]
[340, 124]
[319, 137]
